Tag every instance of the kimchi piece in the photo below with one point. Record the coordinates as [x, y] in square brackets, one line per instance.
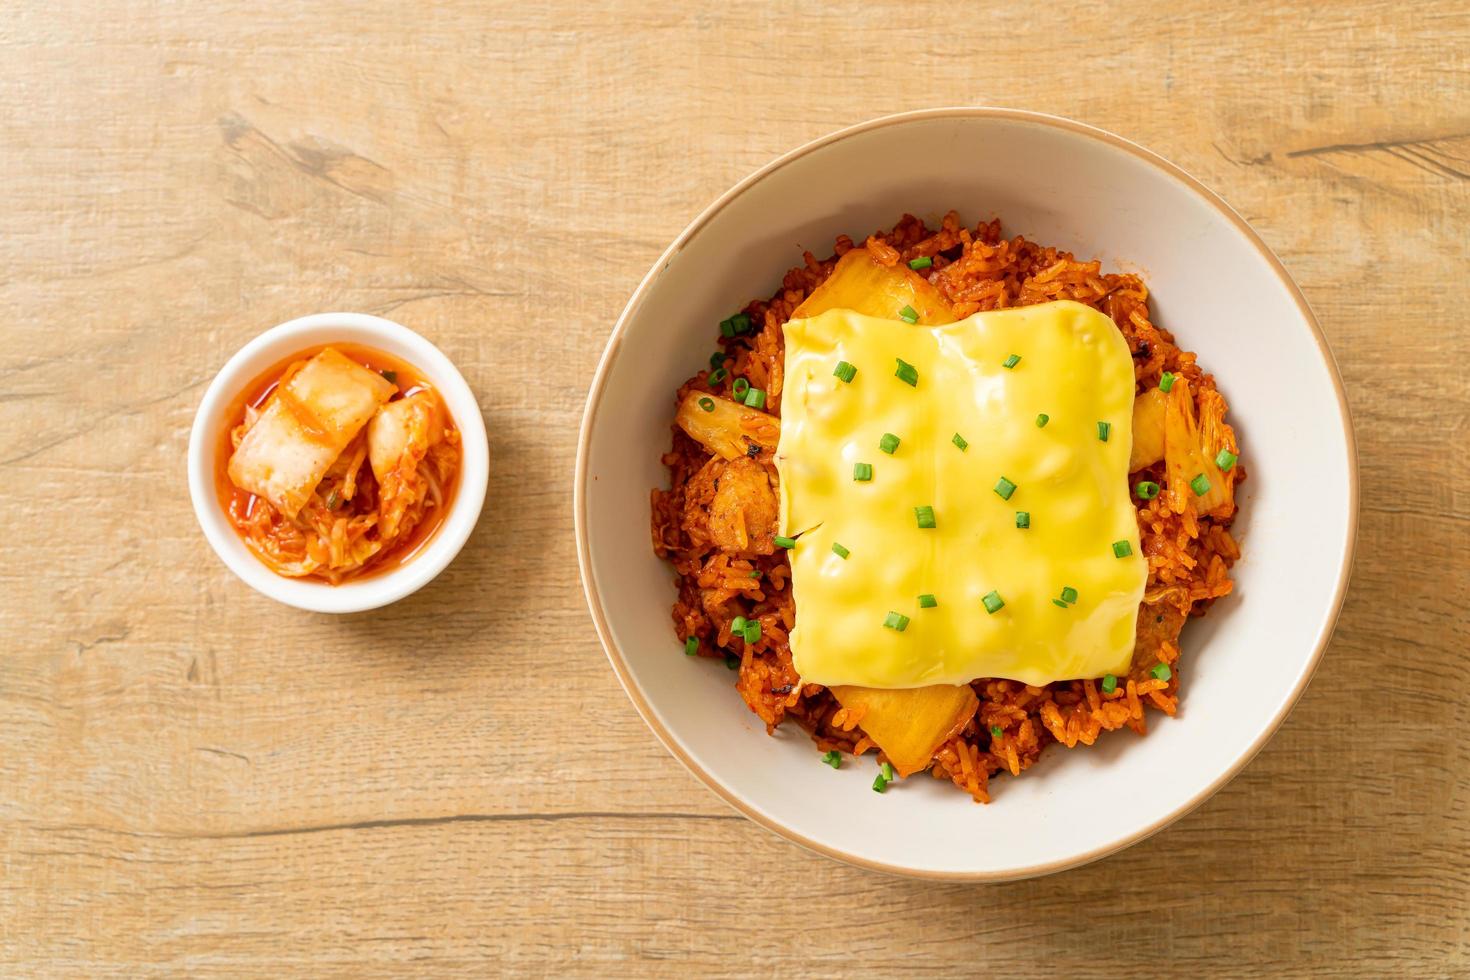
[341, 462]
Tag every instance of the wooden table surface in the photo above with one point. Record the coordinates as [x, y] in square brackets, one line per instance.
[195, 780]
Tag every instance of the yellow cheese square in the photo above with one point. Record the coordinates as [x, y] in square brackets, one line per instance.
[1075, 368]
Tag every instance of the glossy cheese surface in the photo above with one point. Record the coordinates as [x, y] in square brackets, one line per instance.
[1075, 368]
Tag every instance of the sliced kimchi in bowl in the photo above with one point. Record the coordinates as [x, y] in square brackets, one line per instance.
[338, 462]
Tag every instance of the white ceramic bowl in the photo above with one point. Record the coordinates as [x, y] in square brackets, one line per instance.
[279, 343]
[1213, 283]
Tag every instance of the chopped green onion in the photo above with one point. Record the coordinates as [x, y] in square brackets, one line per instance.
[755, 573]
[732, 662]
[996, 731]
[1042, 419]
[922, 262]
[1200, 485]
[1005, 488]
[839, 551]
[959, 440]
[1023, 518]
[1110, 683]
[718, 375]
[993, 602]
[887, 771]
[833, 759]
[1166, 381]
[1011, 361]
[781, 541]
[737, 625]
[708, 404]
[1162, 672]
[691, 646]
[862, 472]
[845, 371]
[1146, 489]
[739, 388]
[1103, 428]
[888, 443]
[880, 784]
[1060, 604]
[1225, 459]
[1069, 594]
[908, 314]
[896, 621]
[927, 601]
[1122, 549]
[718, 358]
[924, 514]
[740, 322]
[390, 376]
[752, 631]
[755, 398]
[907, 373]
[333, 500]
[727, 329]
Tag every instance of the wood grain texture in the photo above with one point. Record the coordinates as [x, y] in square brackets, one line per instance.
[195, 781]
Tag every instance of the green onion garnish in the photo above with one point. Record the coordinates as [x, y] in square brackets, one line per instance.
[708, 404]
[1069, 594]
[1103, 428]
[1200, 485]
[908, 314]
[718, 375]
[691, 646]
[888, 443]
[333, 500]
[1005, 488]
[833, 759]
[1225, 459]
[922, 262]
[1011, 361]
[845, 371]
[732, 662]
[740, 322]
[727, 329]
[755, 398]
[1023, 518]
[880, 784]
[783, 542]
[896, 621]
[1042, 419]
[717, 358]
[1122, 549]
[1166, 381]
[839, 551]
[996, 731]
[959, 440]
[927, 601]
[390, 376]
[924, 514]
[1110, 683]
[752, 631]
[737, 625]
[862, 472]
[1162, 672]
[1146, 489]
[739, 388]
[993, 602]
[755, 573]
[907, 373]
[887, 771]
[1060, 604]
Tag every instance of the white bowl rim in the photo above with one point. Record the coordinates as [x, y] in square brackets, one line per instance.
[374, 591]
[594, 397]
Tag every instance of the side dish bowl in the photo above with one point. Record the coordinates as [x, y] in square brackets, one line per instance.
[207, 442]
[1213, 282]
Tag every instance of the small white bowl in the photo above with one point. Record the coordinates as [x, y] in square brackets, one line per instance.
[1212, 281]
[279, 343]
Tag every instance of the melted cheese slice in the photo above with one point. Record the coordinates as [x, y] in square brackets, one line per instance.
[1075, 368]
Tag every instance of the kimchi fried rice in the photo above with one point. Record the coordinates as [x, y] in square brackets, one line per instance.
[1189, 554]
